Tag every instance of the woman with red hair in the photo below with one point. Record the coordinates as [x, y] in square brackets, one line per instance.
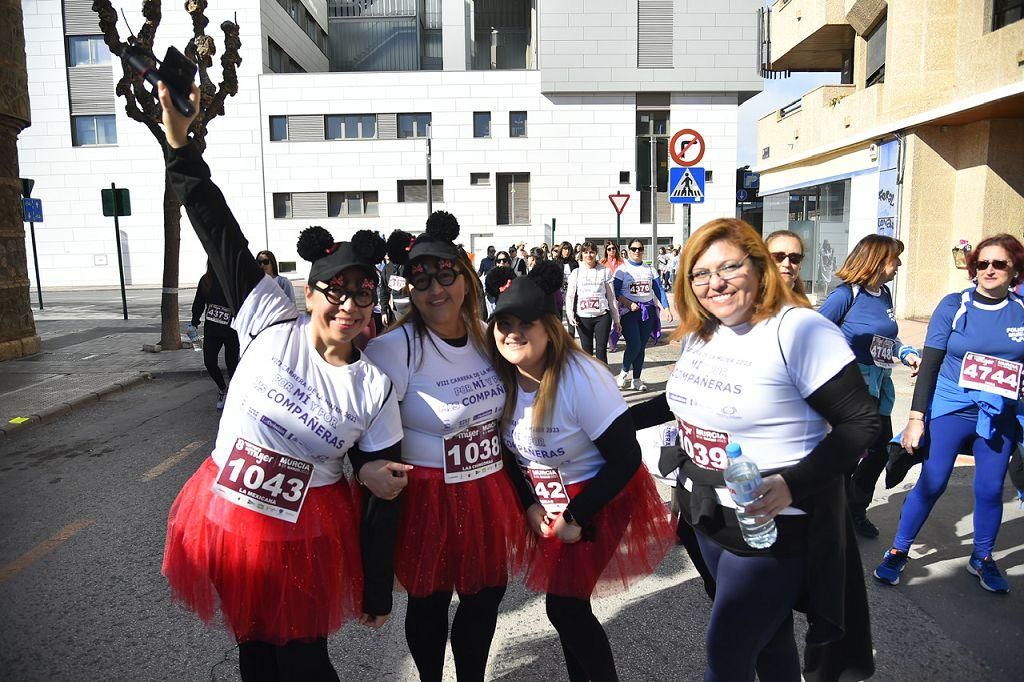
[967, 396]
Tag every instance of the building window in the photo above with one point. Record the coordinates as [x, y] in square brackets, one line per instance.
[351, 204]
[280, 61]
[413, 125]
[87, 50]
[278, 128]
[351, 127]
[652, 121]
[479, 179]
[513, 198]
[415, 191]
[481, 124]
[624, 177]
[282, 205]
[876, 55]
[517, 124]
[93, 130]
[1006, 12]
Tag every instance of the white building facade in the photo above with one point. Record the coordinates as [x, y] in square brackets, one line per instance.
[537, 111]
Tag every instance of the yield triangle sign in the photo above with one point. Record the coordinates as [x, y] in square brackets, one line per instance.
[619, 201]
[687, 188]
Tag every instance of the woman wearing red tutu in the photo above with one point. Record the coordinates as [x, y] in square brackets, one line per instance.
[461, 525]
[266, 535]
[597, 517]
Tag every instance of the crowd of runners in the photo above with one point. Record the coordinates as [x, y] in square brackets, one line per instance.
[487, 445]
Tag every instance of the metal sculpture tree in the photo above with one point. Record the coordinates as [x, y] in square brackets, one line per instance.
[141, 106]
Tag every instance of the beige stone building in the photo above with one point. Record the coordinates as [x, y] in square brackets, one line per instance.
[922, 139]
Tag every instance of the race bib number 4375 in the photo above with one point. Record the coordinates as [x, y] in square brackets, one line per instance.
[472, 453]
[264, 481]
[994, 375]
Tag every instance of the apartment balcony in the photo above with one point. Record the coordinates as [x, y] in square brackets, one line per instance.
[809, 35]
[822, 117]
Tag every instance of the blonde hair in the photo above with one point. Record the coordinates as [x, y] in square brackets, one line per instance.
[772, 295]
[865, 263]
[470, 310]
[559, 352]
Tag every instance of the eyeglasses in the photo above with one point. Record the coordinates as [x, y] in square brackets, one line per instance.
[636, 249]
[997, 264]
[445, 277]
[335, 295]
[264, 261]
[507, 325]
[726, 272]
[794, 258]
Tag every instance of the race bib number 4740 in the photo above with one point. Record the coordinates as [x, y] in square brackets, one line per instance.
[993, 375]
[472, 453]
[264, 481]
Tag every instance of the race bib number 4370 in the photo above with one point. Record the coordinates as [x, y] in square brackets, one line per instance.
[264, 481]
[472, 453]
[994, 375]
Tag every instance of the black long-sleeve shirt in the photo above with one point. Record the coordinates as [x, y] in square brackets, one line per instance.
[238, 274]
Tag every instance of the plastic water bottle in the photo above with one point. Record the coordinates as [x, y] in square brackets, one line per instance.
[193, 335]
[742, 478]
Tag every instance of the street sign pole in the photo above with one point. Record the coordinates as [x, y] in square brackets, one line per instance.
[618, 214]
[654, 198]
[120, 264]
[430, 183]
[35, 259]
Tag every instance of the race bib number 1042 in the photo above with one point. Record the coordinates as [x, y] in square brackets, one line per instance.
[264, 481]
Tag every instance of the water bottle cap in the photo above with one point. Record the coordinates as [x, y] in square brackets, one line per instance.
[732, 450]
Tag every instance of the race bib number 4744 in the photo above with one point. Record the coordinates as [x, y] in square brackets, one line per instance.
[264, 481]
[472, 453]
[993, 375]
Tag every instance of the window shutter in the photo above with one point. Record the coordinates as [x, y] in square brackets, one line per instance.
[503, 183]
[664, 208]
[79, 19]
[521, 199]
[306, 129]
[654, 34]
[309, 204]
[92, 89]
[387, 126]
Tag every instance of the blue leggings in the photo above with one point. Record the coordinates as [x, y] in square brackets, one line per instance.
[751, 625]
[949, 435]
[636, 332]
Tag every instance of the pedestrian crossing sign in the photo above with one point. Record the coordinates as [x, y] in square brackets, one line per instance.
[686, 185]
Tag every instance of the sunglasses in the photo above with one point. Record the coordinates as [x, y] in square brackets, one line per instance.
[637, 249]
[781, 257]
[264, 261]
[445, 277]
[335, 295]
[501, 260]
[997, 264]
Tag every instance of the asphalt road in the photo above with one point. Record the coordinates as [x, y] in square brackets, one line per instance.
[85, 502]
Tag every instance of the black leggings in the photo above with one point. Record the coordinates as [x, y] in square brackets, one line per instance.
[594, 333]
[588, 655]
[296, 661]
[215, 339]
[862, 483]
[426, 631]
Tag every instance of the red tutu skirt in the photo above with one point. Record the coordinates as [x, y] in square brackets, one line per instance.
[462, 536]
[628, 539]
[265, 578]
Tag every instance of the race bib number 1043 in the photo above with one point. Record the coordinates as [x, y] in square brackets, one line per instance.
[264, 481]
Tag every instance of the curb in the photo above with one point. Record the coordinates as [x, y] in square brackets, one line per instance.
[60, 409]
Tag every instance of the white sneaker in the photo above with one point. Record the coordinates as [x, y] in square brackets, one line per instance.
[220, 400]
[638, 385]
[622, 380]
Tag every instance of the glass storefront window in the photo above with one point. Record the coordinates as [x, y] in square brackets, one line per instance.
[821, 216]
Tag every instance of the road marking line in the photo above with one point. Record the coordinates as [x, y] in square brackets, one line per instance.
[165, 465]
[51, 543]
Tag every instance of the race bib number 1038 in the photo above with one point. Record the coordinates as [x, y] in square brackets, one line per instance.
[472, 453]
